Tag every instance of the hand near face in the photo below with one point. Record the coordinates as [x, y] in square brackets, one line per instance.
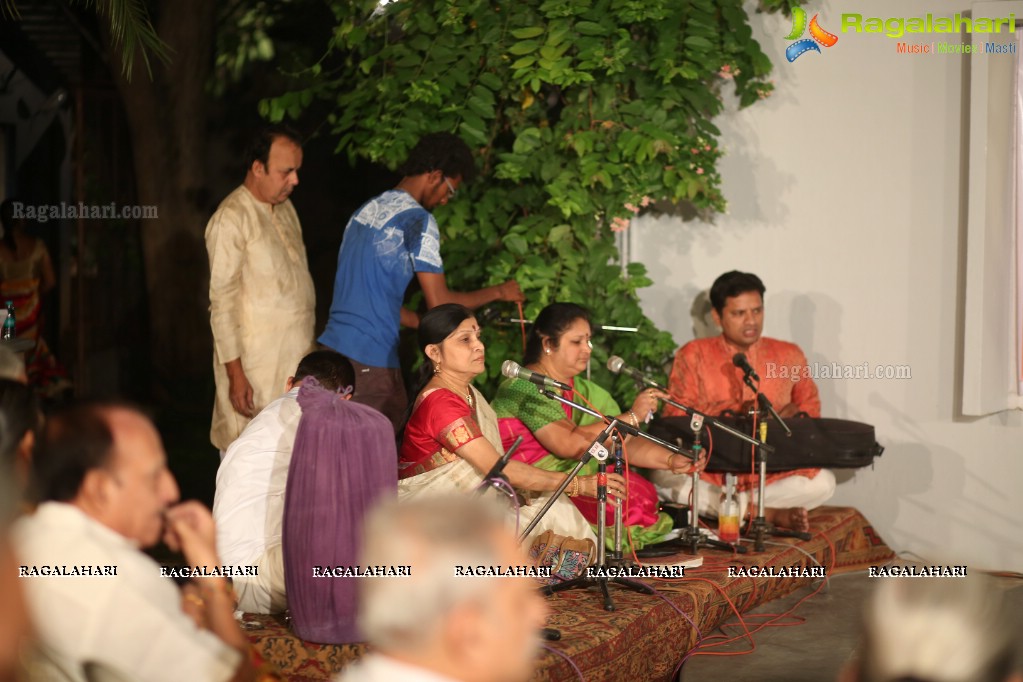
[190, 530]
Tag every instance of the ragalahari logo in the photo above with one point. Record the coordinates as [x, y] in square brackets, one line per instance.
[818, 35]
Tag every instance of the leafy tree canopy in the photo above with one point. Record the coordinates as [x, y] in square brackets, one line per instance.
[582, 113]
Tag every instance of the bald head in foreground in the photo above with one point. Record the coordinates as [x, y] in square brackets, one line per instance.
[434, 625]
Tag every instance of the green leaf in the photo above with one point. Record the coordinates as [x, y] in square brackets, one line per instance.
[516, 244]
[589, 28]
[491, 80]
[698, 42]
[528, 32]
[525, 47]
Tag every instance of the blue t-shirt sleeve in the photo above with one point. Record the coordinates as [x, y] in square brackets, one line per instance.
[423, 239]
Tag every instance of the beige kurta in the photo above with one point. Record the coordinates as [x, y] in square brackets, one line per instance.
[261, 302]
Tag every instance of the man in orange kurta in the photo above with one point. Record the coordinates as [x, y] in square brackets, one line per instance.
[704, 377]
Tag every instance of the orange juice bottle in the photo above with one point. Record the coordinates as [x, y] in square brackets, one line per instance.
[728, 513]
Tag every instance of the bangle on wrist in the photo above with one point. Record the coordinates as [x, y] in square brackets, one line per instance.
[574, 491]
[225, 588]
[633, 419]
[670, 455]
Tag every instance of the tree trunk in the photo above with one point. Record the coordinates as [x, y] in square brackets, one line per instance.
[167, 117]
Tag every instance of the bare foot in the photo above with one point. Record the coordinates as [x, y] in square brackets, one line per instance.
[793, 518]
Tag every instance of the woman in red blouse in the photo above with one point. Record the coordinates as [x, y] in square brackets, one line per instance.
[451, 437]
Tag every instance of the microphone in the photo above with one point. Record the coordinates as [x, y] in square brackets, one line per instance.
[495, 471]
[740, 361]
[510, 368]
[616, 365]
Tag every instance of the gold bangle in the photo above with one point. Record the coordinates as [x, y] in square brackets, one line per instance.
[635, 421]
[225, 588]
[670, 455]
[195, 599]
[574, 492]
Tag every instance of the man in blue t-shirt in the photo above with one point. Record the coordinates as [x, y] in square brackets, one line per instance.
[389, 239]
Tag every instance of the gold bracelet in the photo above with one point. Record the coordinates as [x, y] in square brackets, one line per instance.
[670, 455]
[574, 492]
[226, 588]
[635, 421]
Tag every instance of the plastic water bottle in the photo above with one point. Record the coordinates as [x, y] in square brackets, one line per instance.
[9, 323]
[728, 514]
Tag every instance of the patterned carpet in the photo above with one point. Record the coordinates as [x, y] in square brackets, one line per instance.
[645, 637]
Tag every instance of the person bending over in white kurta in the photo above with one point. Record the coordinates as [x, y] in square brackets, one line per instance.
[249, 503]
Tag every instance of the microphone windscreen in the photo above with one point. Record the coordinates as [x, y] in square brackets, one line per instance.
[739, 360]
[510, 368]
[614, 363]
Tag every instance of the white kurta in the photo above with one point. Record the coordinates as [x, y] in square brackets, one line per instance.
[130, 623]
[379, 668]
[249, 503]
[262, 302]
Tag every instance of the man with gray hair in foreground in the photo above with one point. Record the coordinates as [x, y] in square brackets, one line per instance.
[928, 630]
[434, 626]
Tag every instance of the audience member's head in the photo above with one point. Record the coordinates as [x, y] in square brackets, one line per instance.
[444, 152]
[20, 420]
[552, 322]
[332, 370]
[12, 366]
[468, 628]
[107, 459]
[926, 630]
[14, 625]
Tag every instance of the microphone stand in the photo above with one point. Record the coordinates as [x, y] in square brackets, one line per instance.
[598, 451]
[495, 477]
[692, 536]
[759, 525]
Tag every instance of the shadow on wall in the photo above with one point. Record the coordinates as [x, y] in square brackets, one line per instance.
[815, 321]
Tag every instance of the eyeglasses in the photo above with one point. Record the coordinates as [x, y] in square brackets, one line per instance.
[451, 189]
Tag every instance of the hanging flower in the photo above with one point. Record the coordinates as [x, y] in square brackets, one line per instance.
[619, 224]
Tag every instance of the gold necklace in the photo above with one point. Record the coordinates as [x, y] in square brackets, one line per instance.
[468, 392]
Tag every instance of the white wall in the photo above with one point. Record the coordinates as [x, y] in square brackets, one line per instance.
[846, 195]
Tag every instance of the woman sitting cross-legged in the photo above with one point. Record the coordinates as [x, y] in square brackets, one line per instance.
[451, 438]
[556, 435]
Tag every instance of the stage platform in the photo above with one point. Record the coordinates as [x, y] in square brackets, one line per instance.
[645, 637]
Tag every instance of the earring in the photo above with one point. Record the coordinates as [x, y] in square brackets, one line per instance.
[547, 350]
[436, 368]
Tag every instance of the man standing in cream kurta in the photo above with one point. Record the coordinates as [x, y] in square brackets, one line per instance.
[261, 293]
